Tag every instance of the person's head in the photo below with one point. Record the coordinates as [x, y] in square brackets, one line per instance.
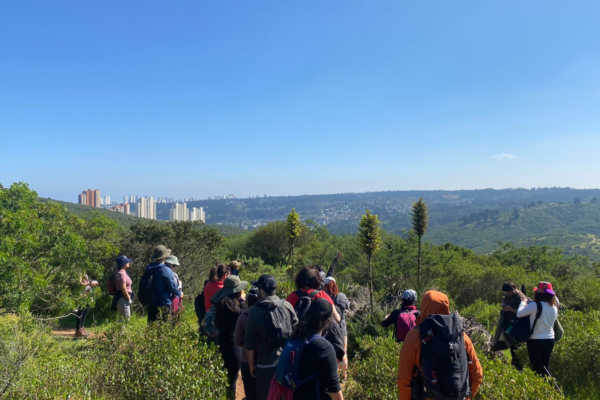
[308, 278]
[93, 283]
[434, 302]
[252, 297]
[235, 265]
[509, 288]
[409, 297]
[331, 286]
[223, 272]
[544, 292]
[212, 274]
[160, 253]
[318, 318]
[172, 262]
[266, 285]
[123, 262]
[232, 288]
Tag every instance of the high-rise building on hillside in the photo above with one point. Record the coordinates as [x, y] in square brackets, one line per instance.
[146, 208]
[122, 208]
[90, 198]
[107, 200]
[178, 212]
[197, 214]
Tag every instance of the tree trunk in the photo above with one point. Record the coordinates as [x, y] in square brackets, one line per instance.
[419, 266]
[292, 260]
[370, 282]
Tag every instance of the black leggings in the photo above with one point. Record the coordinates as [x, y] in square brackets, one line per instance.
[81, 315]
[540, 351]
[249, 382]
[232, 358]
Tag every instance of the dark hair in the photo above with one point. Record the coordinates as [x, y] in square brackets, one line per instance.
[408, 302]
[332, 288]
[508, 287]
[547, 298]
[222, 270]
[251, 300]
[312, 325]
[308, 277]
[212, 275]
[228, 307]
[269, 292]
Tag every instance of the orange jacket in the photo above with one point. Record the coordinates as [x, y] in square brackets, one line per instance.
[410, 356]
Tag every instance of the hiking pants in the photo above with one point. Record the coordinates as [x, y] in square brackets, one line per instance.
[515, 360]
[124, 308]
[81, 316]
[264, 376]
[539, 355]
[232, 356]
[249, 382]
[155, 311]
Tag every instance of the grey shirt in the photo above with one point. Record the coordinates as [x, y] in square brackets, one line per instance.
[256, 331]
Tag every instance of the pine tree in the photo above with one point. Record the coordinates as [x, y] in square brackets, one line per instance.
[420, 223]
[369, 235]
[294, 229]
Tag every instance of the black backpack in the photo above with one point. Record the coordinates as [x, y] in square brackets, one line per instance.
[521, 329]
[200, 308]
[279, 324]
[303, 303]
[147, 293]
[444, 371]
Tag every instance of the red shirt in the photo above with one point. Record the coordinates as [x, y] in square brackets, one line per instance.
[293, 297]
[209, 290]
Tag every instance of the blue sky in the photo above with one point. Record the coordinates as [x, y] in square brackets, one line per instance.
[198, 98]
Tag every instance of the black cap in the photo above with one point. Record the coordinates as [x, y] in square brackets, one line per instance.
[322, 307]
[265, 282]
[122, 260]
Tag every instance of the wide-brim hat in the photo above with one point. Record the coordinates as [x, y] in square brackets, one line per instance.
[172, 260]
[231, 285]
[544, 287]
[160, 252]
[235, 264]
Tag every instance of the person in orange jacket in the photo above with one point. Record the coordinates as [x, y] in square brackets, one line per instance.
[410, 356]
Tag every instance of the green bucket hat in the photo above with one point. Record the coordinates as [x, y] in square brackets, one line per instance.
[231, 285]
[172, 260]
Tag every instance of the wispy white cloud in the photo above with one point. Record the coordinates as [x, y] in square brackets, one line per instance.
[504, 156]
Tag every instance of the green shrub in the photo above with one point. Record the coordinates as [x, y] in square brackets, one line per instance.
[486, 314]
[364, 324]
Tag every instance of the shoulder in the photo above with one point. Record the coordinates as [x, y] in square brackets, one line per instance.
[323, 295]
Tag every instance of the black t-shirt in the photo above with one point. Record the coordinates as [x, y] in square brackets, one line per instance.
[318, 357]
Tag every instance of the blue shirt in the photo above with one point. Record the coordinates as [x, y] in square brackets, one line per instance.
[163, 283]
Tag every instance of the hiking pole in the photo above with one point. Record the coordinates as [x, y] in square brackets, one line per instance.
[554, 380]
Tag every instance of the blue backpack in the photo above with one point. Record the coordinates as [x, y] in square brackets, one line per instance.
[288, 369]
[209, 322]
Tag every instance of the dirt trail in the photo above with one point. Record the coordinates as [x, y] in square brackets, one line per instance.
[66, 332]
[239, 390]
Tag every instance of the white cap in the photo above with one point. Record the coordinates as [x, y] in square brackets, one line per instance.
[329, 279]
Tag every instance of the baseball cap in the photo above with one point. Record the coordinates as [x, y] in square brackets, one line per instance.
[322, 307]
[265, 282]
[122, 260]
[409, 295]
[329, 279]
[544, 287]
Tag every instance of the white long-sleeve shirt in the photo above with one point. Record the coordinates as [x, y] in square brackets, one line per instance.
[544, 328]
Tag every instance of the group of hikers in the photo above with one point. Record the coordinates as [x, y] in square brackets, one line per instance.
[297, 348]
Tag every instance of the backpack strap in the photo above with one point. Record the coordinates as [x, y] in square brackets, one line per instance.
[538, 314]
[312, 294]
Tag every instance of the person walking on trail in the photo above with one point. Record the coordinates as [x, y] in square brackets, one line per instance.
[229, 304]
[331, 269]
[308, 284]
[405, 317]
[124, 292]
[162, 285]
[238, 338]
[309, 360]
[342, 304]
[82, 311]
[438, 332]
[235, 266]
[199, 306]
[212, 287]
[541, 341]
[512, 300]
[176, 301]
[264, 340]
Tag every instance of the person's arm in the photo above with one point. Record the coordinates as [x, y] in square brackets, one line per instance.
[329, 378]
[333, 265]
[251, 364]
[408, 361]
[336, 396]
[336, 316]
[238, 334]
[526, 309]
[124, 291]
[390, 319]
[170, 282]
[475, 370]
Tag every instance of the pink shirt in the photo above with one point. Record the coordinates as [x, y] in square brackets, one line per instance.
[121, 278]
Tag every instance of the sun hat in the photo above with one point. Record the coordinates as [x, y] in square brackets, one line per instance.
[409, 295]
[329, 279]
[265, 282]
[235, 264]
[544, 287]
[122, 261]
[160, 252]
[231, 285]
[172, 260]
[322, 307]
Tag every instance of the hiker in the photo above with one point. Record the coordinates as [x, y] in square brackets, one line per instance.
[342, 303]
[403, 318]
[238, 338]
[235, 267]
[541, 341]
[229, 304]
[308, 282]
[82, 312]
[216, 283]
[124, 292]
[263, 341]
[512, 300]
[329, 274]
[173, 262]
[199, 306]
[307, 369]
[438, 332]
[157, 286]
